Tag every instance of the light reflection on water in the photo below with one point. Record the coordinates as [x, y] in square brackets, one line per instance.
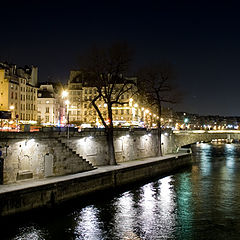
[202, 202]
[88, 225]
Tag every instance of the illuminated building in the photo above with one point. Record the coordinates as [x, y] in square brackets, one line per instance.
[81, 111]
[18, 92]
[49, 112]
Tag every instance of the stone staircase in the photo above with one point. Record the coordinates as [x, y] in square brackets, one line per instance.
[68, 147]
[67, 161]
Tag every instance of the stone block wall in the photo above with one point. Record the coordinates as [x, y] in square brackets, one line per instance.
[26, 154]
[129, 145]
[26, 158]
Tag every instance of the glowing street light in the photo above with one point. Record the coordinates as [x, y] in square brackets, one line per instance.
[11, 107]
[64, 94]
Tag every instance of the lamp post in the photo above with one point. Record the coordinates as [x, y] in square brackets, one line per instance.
[186, 120]
[67, 103]
[11, 109]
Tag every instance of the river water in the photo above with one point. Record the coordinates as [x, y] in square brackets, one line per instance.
[199, 202]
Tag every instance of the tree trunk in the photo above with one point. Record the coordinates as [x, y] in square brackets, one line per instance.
[111, 151]
[159, 153]
[159, 141]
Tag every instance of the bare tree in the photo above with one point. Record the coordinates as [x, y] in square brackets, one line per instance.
[105, 69]
[155, 84]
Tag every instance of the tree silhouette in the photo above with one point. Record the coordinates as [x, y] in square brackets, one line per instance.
[106, 70]
[155, 85]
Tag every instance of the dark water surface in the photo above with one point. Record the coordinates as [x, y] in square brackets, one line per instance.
[200, 202]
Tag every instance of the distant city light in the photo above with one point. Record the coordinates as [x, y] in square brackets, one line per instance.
[186, 120]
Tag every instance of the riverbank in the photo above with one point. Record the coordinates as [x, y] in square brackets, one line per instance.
[27, 195]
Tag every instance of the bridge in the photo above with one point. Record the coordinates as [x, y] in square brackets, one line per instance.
[183, 138]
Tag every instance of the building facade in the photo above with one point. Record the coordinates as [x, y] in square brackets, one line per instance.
[81, 111]
[18, 92]
[49, 106]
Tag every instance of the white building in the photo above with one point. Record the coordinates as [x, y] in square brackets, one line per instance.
[48, 105]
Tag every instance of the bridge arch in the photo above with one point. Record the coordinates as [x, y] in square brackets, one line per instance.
[183, 138]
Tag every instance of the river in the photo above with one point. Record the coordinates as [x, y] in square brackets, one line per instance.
[199, 202]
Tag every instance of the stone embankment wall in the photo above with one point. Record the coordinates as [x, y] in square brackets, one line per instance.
[57, 190]
[45, 154]
[129, 145]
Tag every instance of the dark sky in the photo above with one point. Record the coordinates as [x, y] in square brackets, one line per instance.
[201, 38]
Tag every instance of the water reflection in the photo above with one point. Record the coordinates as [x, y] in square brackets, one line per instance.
[27, 233]
[124, 216]
[197, 203]
[88, 225]
[205, 158]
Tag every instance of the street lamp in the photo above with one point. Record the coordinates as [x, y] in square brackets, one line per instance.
[11, 108]
[64, 94]
[67, 103]
[186, 120]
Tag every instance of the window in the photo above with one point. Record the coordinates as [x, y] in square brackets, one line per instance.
[47, 118]
[127, 111]
[15, 95]
[85, 105]
[11, 95]
[47, 109]
[122, 111]
[116, 111]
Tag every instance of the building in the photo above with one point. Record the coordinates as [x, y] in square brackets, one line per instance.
[49, 105]
[18, 92]
[81, 111]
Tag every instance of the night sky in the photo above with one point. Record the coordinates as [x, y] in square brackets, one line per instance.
[201, 39]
